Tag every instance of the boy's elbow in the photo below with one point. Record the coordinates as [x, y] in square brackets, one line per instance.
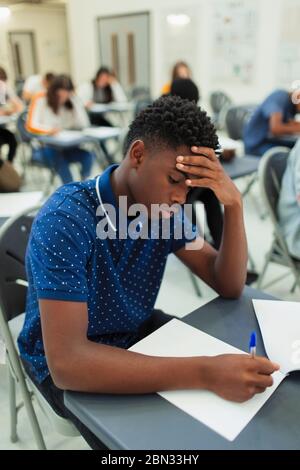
[61, 373]
[231, 292]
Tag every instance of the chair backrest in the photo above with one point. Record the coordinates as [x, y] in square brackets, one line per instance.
[141, 105]
[218, 101]
[236, 119]
[24, 134]
[14, 235]
[140, 93]
[271, 170]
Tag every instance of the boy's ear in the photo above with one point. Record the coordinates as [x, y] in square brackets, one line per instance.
[137, 153]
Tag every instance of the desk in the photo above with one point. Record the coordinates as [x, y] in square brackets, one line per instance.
[241, 166]
[150, 422]
[93, 135]
[3, 220]
[288, 140]
[124, 110]
[99, 108]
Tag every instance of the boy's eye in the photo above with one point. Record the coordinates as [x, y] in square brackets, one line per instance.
[172, 180]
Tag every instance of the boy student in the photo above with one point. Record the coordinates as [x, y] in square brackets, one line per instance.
[90, 297]
[275, 117]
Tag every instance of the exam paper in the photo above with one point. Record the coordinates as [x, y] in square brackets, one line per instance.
[279, 324]
[177, 339]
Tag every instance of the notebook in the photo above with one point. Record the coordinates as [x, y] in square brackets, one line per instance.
[177, 339]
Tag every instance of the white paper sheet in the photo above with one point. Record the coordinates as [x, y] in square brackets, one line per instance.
[177, 339]
[14, 203]
[279, 324]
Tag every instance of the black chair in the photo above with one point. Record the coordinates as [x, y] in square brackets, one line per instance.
[140, 93]
[140, 105]
[271, 171]
[236, 119]
[14, 236]
[219, 103]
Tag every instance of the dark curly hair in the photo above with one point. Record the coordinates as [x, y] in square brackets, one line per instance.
[171, 122]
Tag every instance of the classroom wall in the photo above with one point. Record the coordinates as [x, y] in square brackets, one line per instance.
[50, 28]
[194, 44]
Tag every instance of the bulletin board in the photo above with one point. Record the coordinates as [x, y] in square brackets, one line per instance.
[235, 25]
[288, 69]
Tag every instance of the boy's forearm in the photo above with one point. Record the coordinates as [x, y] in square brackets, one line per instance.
[105, 369]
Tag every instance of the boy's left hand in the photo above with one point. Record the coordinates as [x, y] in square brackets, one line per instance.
[207, 172]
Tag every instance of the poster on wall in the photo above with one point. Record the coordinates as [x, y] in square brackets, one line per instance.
[288, 70]
[235, 24]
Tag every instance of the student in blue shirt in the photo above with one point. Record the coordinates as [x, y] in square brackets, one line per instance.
[273, 118]
[92, 296]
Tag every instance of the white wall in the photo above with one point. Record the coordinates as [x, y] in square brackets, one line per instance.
[195, 43]
[50, 28]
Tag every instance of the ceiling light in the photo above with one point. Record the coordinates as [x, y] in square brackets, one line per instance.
[178, 20]
[4, 13]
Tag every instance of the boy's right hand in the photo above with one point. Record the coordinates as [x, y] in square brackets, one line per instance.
[238, 377]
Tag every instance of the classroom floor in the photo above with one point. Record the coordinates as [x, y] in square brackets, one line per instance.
[177, 297]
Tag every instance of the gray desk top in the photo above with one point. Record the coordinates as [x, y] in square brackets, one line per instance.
[150, 422]
[3, 220]
[240, 167]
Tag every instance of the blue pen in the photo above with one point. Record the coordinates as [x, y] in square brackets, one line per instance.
[252, 344]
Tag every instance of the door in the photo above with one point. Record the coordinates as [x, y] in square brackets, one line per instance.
[23, 54]
[124, 47]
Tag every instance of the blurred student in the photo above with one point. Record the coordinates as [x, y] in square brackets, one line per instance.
[9, 105]
[274, 118]
[289, 202]
[180, 70]
[185, 88]
[54, 111]
[103, 89]
[36, 84]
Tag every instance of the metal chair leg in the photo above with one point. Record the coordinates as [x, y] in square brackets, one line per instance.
[32, 416]
[12, 407]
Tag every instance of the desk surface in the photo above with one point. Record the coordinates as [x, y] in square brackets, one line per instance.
[70, 138]
[241, 166]
[150, 422]
[99, 108]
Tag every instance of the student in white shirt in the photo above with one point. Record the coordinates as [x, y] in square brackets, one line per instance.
[9, 104]
[54, 111]
[104, 88]
[36, 84]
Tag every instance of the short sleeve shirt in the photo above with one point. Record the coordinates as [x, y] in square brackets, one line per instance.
[68, 259]
[257, 130]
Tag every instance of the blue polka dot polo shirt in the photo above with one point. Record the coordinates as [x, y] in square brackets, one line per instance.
[119, 279]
